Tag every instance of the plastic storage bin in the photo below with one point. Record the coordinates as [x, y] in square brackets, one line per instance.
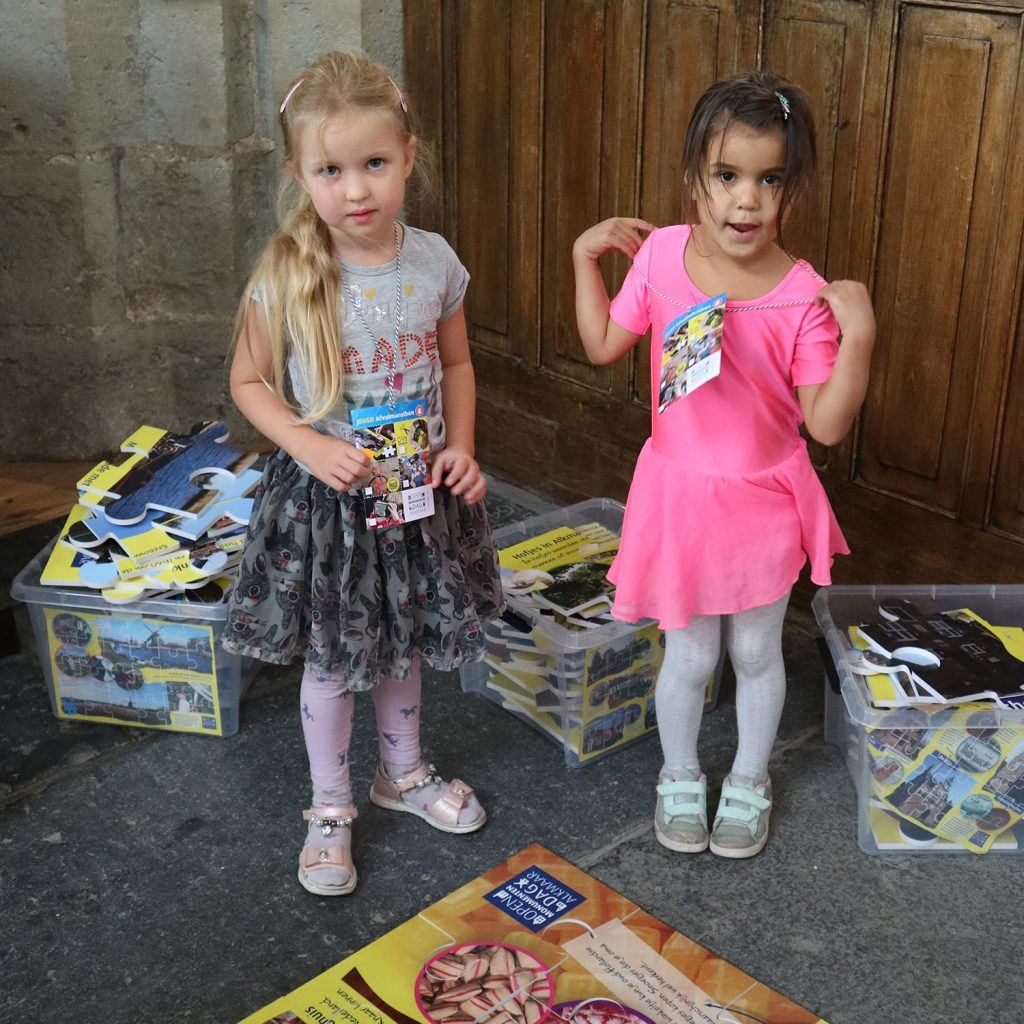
[156, 664]
[592, 691]
[923, 770]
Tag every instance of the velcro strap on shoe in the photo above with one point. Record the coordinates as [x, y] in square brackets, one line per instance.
[673, 790]
[680, 787]
[753, 803]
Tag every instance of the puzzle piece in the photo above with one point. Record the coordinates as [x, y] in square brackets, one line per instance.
[185, 569]
[231, 502]
[142, 540]
[167, 481]
[99, 482]
[952, 655]
[211, 592]
[63, 567]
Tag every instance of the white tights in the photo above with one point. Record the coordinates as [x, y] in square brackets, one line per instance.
[754, 643]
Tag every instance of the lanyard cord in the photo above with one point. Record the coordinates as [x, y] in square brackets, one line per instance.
[743, 309]
[390, 380]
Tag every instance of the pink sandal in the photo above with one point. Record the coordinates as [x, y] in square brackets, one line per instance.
[443, 813]
[312, 859]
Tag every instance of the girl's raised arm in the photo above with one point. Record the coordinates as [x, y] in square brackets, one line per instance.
[603, 339]
[830, 408]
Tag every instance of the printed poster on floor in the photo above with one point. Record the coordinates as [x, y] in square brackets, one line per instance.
[527, 942]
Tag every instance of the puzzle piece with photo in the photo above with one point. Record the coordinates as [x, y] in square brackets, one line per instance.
[65, 562]
[166, 479]
[231, 501]
[191, 567]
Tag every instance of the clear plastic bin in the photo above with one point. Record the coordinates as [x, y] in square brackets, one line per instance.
[924, 773]
[592, 691]
[156, 664]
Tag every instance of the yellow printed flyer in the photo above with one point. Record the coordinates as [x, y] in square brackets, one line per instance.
[960, 775]
[526, 942]
[563, 571]
[137, 671]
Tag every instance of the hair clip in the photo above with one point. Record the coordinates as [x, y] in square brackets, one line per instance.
[284, 102]
[785, 106]
[401, 95]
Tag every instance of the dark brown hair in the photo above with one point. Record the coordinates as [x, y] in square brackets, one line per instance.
[751, 98]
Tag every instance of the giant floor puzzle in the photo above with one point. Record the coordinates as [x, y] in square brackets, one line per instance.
[529, 942]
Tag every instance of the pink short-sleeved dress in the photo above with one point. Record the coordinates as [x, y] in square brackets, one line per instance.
[725, 508]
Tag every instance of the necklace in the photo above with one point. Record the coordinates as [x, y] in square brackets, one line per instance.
[745, 309]
[390, 379]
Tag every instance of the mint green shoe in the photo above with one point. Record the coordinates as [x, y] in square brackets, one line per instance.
[681, 813]
[741, 823]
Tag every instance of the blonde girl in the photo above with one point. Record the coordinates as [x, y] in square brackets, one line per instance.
[348, 308]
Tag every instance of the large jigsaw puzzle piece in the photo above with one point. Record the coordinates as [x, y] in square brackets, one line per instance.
[190, 567]
[142, 540]
[101, 482]
[64, 566]
[231, 502]
[167, 481]
[952, 655]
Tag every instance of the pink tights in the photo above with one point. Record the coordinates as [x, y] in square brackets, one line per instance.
[327, 708]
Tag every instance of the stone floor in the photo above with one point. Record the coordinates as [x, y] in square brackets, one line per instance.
[149, 877]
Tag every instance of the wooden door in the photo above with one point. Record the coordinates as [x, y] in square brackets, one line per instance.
[552, 115]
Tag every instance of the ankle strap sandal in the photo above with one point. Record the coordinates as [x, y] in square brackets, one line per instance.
[321, 866]
[442, 813]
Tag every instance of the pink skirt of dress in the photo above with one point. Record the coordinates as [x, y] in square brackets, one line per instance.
[698, 544]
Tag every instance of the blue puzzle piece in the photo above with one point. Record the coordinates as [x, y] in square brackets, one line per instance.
[230, 502]
[166, 481]
[99, 528]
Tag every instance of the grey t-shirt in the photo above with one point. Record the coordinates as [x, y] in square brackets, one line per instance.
[433, 284]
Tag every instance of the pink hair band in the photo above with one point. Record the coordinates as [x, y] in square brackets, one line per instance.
[401, 95]
[284, 102]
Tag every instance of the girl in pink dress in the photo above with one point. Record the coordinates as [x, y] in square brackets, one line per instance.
[725, 508]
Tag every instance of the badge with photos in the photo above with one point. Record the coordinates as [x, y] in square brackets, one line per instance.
[691, 351]
[398, 443]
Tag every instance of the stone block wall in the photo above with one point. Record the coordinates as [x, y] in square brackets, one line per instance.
[139, 156]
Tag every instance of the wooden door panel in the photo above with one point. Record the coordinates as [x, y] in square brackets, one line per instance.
[482, 180]
[494, 205]
[932, 286]
[591, 84]
[823, 48]
[1008, 494]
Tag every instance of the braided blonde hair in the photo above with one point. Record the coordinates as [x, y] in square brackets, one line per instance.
[297, 274]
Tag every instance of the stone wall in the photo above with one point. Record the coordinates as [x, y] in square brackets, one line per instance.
[139, 156]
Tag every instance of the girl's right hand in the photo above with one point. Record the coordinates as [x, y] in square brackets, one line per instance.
[337, 463]
[626, 234]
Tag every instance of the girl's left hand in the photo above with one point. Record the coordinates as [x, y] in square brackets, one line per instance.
[851, 306]
[459, 472]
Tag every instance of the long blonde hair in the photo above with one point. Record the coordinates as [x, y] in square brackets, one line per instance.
[297, 274]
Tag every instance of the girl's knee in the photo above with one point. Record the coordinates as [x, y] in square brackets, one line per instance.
[754, 652]
[691, 654]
